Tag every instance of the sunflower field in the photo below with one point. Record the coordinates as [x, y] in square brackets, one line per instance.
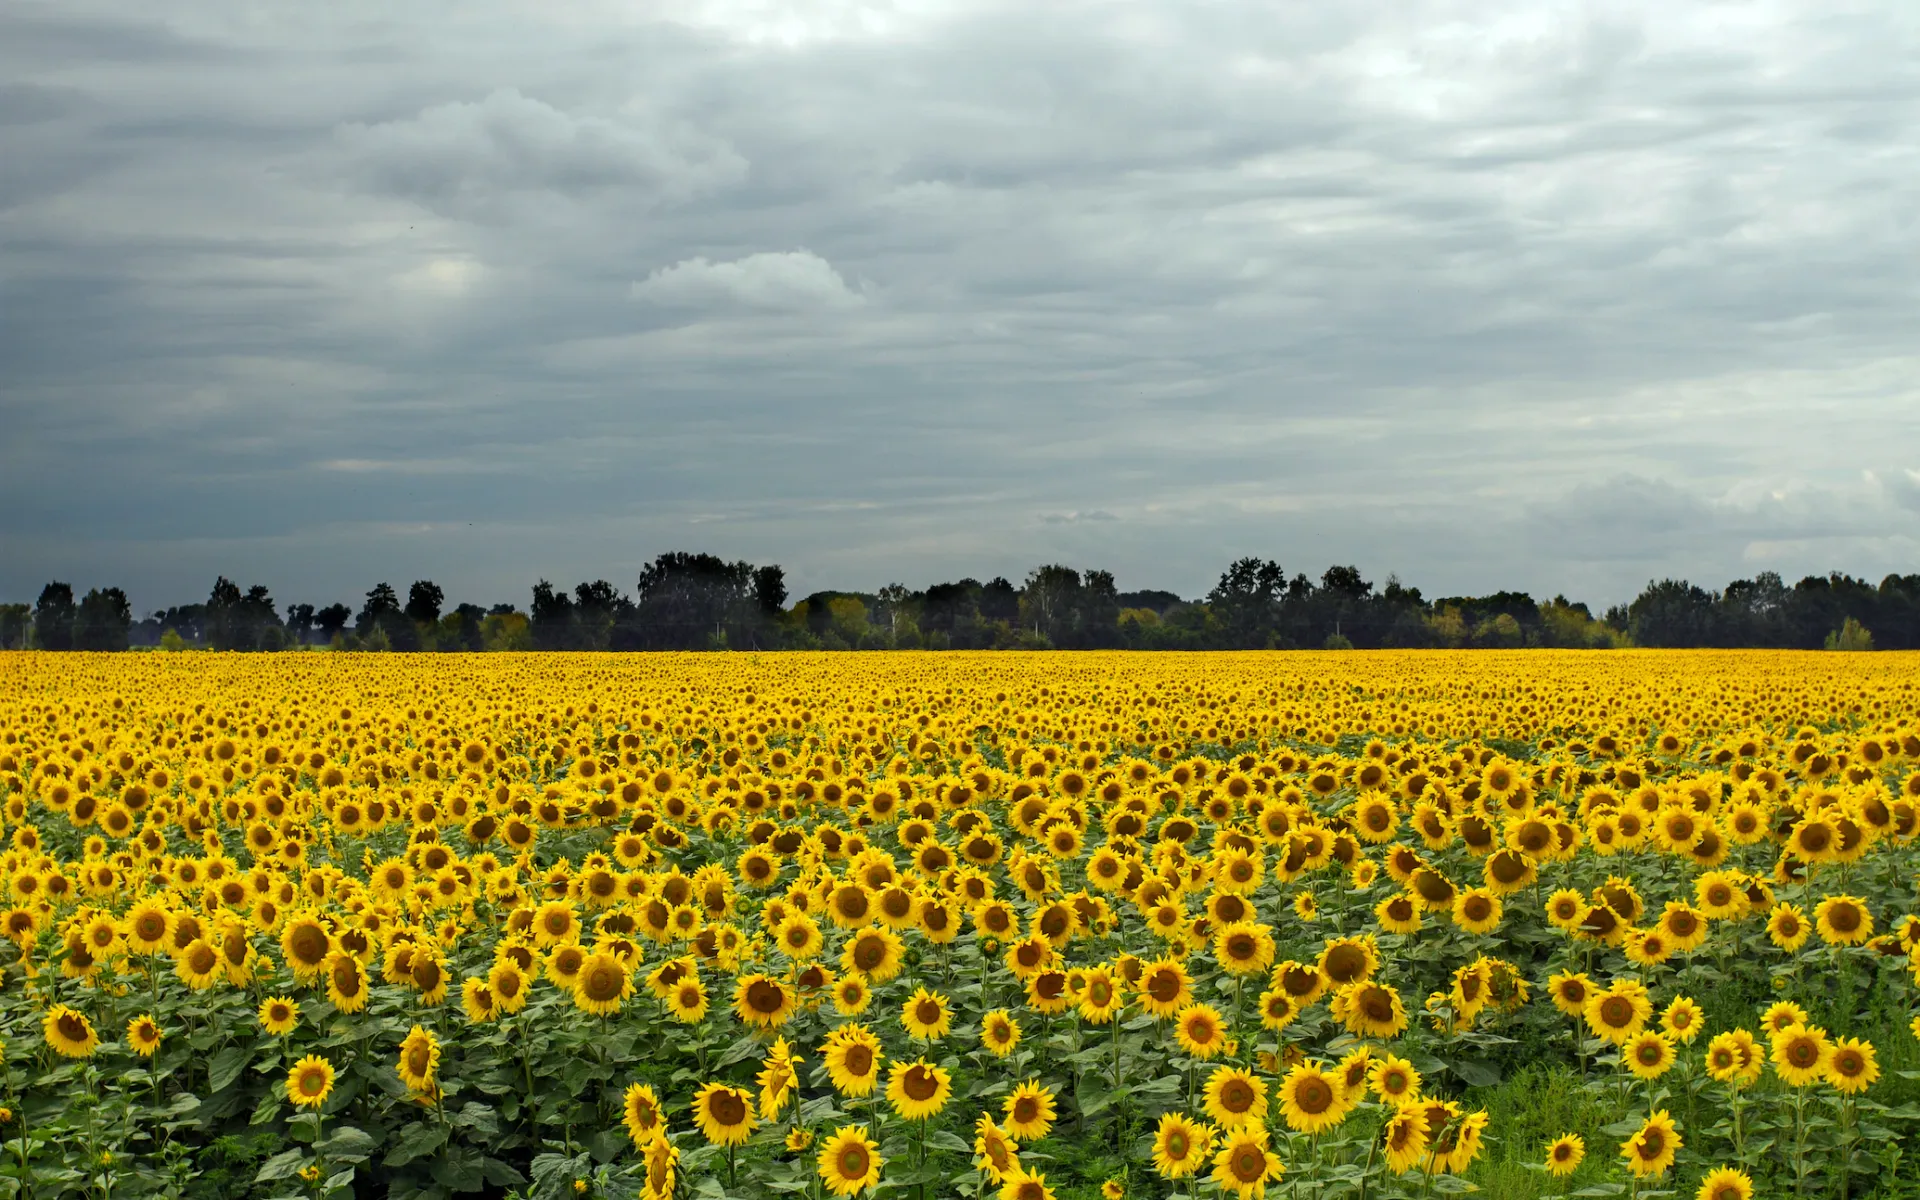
[1370, 925]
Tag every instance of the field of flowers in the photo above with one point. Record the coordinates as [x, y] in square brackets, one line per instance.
[1373, 925]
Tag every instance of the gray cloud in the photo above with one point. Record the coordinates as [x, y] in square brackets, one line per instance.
[1559, 299]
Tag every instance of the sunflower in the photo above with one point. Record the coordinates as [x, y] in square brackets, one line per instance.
[1022, 1184]
[1164, 987]
[69, 1032]
[777, 1079]
[640, 1113]
[852, 1056]
[874, 952]
[1570, 992]
[143, 1035]
[762, 1001]
[419, 1061]
[1200, 1031]
[994, 1153]
[477, 1001]
[1682, 1019]
[1648, 1054]
[724, 1114]
[555, 923]
[1394, 1080]
[1235, 1097]
[279, 1014]
[849, 1161]
[1843, 921]
[1349, 960]
[1725, 1183]
[1564, 1155]
[508, 985]
[1651, 1150]
[926, 1016]
[196, 965]
[798, 938]
[1477, 910]
[1398, 913]
[1244, 1164]
[346, 982]
[146, 927]
[1565, 908]
[1458, 1144]
[1029, 1111]
[310, 1082]
[1852, 1067]
[1048, 992]
[1370, 1010]
[999, 1032]
[1404, 1139]
[687, 1000]
[1243, 948]
[1733, 1058]
[1801, 1055]
[918, 1090]
[1781, 1015]
[1619, 1012]
[305, 943]
[851, 995]
[1312, 1100]
[1181, 1146]
[603, 984]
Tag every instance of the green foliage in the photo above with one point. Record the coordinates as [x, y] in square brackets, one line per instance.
[1850, 636]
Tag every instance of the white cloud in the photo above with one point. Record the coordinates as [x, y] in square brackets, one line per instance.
[789, 281]
[470, 152]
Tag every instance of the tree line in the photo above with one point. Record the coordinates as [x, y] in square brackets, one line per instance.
[692, 601]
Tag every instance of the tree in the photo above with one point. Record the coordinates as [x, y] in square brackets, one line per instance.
[103, 620]
[237, 620]
[53, 616]
[383, 624]
[693, 601]
[14, 622]
[1048, 599]
[507, 630]
[770, 590]
[551, 624]
[1674, 612]
[383, 603]
[331, 620]
[1850, 636]
[1099, 611]
[461, 628]
[894, 599]
[300, 622]
[223, 614]
[1247, 601]
[424, 599]
[597, 607]
[849, 620]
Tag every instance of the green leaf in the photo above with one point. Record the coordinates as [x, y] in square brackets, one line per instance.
[283, 1165]
[459, 1170]
[226, 1067]
[1477, 1074]
[349, 1143]
[419, 1140]
[945, 1139]
[479, 1118]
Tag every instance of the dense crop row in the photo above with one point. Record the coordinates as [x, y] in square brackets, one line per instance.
[962, 925]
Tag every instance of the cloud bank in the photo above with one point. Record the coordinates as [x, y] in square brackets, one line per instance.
[1556, 298]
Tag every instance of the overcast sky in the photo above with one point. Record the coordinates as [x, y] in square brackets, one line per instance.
[1557, 297]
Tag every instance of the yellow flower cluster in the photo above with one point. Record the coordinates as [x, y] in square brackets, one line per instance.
[807, 907]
